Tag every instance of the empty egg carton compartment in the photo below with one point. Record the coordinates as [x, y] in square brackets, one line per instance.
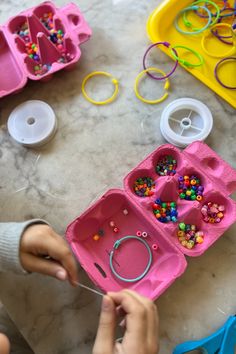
[121, 213]
[39, 42]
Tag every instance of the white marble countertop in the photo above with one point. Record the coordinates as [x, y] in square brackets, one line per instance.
[93, 150]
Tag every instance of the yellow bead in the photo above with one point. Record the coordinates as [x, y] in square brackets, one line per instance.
[188, 193]
[181, 233]
[199, 239]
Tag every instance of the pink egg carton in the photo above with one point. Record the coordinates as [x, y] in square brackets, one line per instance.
[16, 64]
[169, 261]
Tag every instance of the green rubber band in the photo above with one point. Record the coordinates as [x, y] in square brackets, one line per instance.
[189, 24]
[211, 3]
[185, 62]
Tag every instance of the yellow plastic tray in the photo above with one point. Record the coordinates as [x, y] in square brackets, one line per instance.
[160, 27]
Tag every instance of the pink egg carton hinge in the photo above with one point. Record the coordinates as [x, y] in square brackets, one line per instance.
[18, 61]
[169, 262]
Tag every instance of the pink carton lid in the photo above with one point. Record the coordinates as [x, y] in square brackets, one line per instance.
[16, 64]
[132, 213]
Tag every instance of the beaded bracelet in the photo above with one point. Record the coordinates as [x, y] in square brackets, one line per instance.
[114, 81]
[166, 86]
[216, 15]
[167, 45]
[207, 33]
[185, 62]
[117, 245]
[188, 23]
[216, 72]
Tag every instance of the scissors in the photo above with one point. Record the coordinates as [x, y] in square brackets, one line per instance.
[222, 341]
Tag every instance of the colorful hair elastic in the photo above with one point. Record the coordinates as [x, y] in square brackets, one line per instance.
[185, 62]
[166, 86]
[216, 15]
[114, 81]
[167, 45]
[207, 33]
[188, 23]
[117, 245]
[221, 62]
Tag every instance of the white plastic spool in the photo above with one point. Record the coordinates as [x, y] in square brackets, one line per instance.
[186, 120]
[32, 123]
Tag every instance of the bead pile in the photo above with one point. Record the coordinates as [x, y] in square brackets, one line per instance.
[190, 188]
[56, 37]
[165, 211]
[189, 235]
[213, 212]
[143, 187]
[166, 166]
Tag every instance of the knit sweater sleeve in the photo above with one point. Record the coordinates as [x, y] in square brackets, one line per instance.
[10, 236]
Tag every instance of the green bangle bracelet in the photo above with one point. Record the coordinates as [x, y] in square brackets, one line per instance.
[206, 2]
[185, 62]
[189, 24]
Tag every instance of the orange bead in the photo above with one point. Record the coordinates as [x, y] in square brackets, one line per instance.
[96, 237]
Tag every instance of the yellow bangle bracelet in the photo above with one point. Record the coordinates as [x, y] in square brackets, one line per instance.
[209, 32]
[166, 86]
[95, 73]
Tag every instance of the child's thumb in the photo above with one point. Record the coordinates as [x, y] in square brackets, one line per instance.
[104, 342]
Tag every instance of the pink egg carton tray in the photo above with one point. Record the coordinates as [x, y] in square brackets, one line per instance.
[16, 64]
[169, 261]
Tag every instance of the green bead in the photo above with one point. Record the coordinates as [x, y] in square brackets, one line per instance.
[182, 226]
[31, 56]
[173, 204]
[164, 205]
[193, 197]
[182, 195]
[59, 31]
[193, 192]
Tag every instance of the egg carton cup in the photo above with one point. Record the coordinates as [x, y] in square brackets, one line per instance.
[16, 65]
[169, 260]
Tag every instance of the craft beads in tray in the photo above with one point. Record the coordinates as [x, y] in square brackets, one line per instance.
[38, 42]
[178, 202]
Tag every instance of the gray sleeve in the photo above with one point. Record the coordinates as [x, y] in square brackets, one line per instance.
[10, 236]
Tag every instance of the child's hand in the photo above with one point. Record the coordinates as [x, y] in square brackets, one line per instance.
[141, 324]
[44, 251]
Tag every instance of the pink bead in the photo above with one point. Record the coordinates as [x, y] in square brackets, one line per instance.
[111, 223]
[144, 234]
[221, 208]
[139, 233]
[154, 247]
[116, 229]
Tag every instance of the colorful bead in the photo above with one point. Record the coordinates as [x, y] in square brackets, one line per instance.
[112, 223]
[164, 212]
[189, 235]
[190, 188]
[166, 166]
[139, 233]
[96, 237]
[154, 246]
[144, 234]
[100, 232]
[143, 187]
[212, 212]
[116, 230]
[125, 212]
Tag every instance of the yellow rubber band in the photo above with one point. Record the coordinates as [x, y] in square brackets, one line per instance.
[166, 86]
[208, 33]
[113, 80]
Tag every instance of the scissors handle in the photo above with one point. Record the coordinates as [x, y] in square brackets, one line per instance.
[228, 345]
[221, 342]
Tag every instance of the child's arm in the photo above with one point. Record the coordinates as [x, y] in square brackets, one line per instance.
[33, 246]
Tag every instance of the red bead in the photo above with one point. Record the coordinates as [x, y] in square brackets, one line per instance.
[116, 229]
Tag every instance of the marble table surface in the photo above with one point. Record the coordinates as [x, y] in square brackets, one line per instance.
[93, 149]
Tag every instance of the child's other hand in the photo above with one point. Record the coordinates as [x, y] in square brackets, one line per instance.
[44, 251]
[141, 325]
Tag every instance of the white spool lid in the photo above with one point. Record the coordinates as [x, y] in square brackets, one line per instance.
[32, 123]
[185, 120]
